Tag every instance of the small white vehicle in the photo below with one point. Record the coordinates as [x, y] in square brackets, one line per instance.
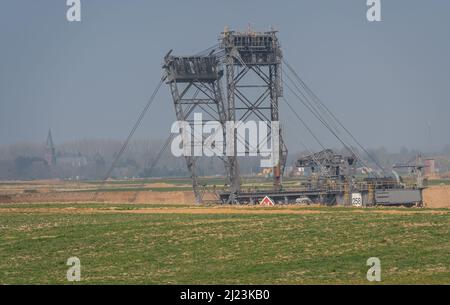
[303, 200]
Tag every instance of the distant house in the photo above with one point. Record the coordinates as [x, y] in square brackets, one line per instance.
[71, 160]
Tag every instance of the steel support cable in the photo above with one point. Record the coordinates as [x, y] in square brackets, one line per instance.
[130, 135]
[164, 147]
[305, 101]
[320, 106]
[318, 110]
[159, 155]
[197, 139]
[317, 115]
[307, 95]
[207, 50]
[304, 123]
[344, 143]
[319, 101]
[133, 130]
[324, 123]
[167, 142]
[310, 131]
[331, 114]
[310, 106]
[307, 127]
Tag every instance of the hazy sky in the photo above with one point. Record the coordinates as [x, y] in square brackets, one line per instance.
[91, 79]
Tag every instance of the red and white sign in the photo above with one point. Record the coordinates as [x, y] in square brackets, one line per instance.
[267, 202]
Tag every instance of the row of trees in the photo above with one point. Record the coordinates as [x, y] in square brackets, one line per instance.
[90, 159]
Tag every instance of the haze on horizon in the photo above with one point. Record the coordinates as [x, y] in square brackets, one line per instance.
[388, 81]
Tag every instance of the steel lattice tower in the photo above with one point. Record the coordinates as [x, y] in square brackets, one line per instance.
[252, 61]
[253, 75]
[194, 83]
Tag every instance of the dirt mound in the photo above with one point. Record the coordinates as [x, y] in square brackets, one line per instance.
[437, 196]
[165, 197]
[114, 197]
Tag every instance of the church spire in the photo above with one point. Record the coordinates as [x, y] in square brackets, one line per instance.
[50, 155]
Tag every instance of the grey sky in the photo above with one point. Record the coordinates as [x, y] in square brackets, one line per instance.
[91, 79]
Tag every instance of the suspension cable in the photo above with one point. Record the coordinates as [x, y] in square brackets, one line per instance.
[317, 114]
[159, 155]
[311, 132]
[133, 130]
[322, 120]
[320, 104]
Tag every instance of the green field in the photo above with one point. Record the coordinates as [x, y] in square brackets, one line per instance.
[328, 245]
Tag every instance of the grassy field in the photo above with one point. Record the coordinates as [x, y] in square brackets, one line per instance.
[439, 182]
[286, 246]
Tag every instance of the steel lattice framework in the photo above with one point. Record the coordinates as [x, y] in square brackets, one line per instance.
[253, 75]
[195, 87]
[252, 64]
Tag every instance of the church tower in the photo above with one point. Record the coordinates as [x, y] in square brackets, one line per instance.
[50, 155]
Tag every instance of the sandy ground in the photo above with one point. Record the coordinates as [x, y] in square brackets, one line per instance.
[50, 191]
[193, 210]
[204, 210]
[176, 197]
[437, 196]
